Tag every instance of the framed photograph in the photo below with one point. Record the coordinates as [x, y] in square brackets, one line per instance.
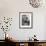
[25, 20]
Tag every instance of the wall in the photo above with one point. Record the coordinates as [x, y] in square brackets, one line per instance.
[11, 8]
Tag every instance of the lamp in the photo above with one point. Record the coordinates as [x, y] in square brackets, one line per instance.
[36, 3]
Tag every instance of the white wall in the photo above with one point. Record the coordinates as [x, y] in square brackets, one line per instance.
[11, 8]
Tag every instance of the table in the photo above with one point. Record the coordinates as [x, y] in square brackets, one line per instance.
[27, 42]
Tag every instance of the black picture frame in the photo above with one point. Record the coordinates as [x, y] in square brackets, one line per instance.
[25, 20]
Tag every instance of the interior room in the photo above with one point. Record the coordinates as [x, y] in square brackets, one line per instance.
[22, 22]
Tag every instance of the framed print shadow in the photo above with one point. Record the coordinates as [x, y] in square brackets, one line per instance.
[25, 20]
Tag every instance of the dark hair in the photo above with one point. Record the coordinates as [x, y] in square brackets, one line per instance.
[34, 35]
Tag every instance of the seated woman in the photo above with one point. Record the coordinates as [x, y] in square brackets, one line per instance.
[35, 38]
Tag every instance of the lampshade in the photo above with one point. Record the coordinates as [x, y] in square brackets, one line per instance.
[36, 3]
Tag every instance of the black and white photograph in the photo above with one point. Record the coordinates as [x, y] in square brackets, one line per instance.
[25, 20]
